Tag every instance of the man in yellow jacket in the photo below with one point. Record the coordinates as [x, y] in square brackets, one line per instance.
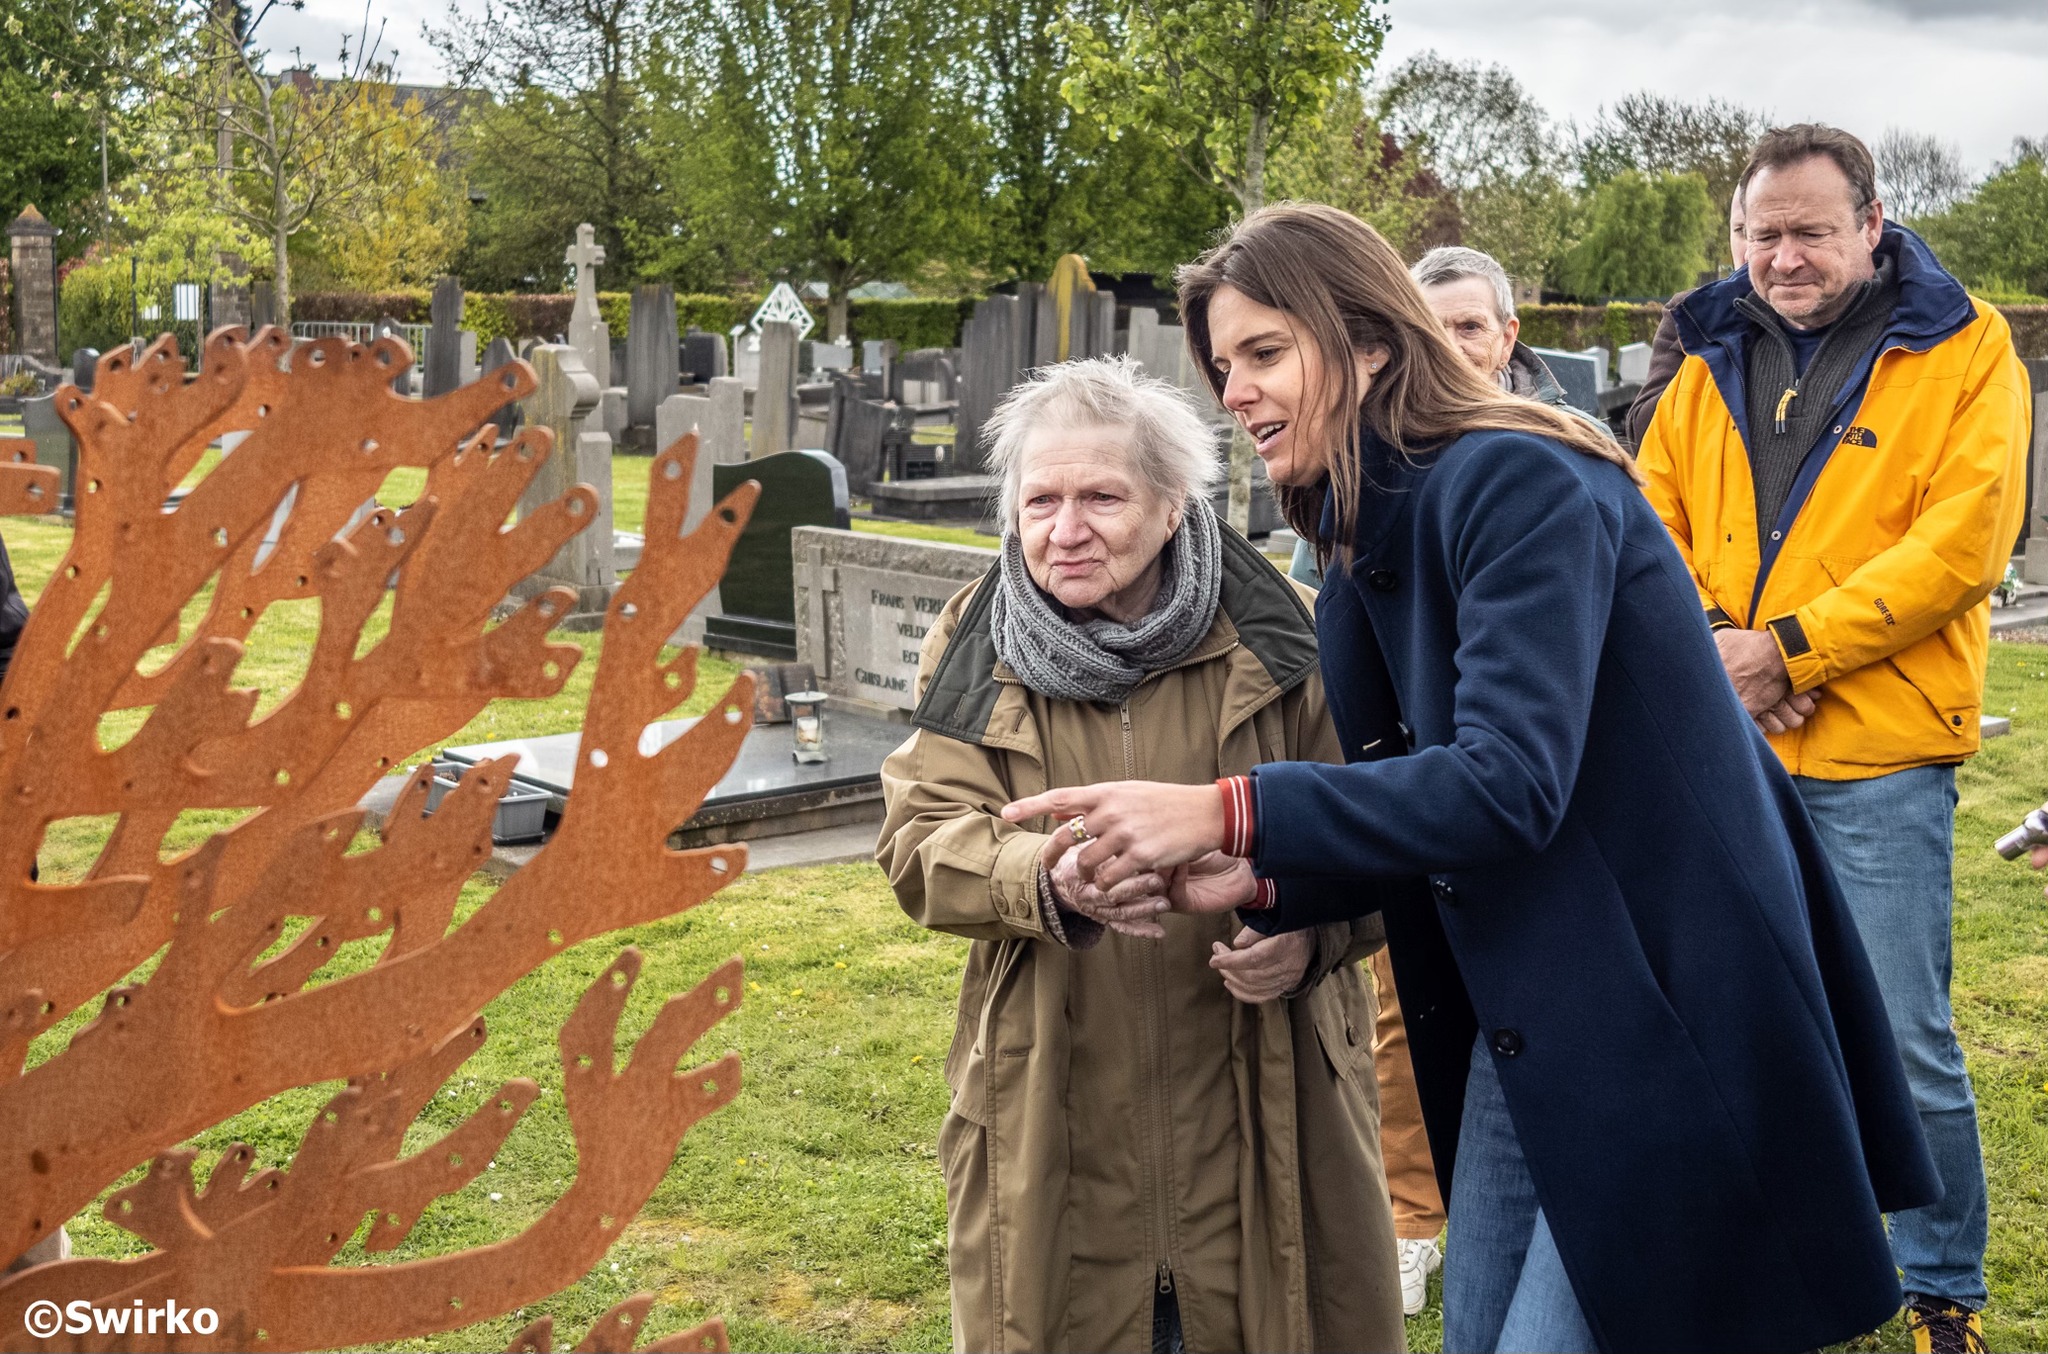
[1840, 459]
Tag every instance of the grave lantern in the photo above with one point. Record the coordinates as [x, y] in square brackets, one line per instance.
[807, 719]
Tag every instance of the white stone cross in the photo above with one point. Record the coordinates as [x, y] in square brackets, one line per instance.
[584, 256]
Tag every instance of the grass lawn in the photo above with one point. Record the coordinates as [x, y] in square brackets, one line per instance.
[810, 1212]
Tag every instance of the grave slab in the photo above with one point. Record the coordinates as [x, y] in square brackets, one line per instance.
[864, 604]
[944, 498]
[767, 792]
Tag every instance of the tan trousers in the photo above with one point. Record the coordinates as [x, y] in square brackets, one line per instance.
[1411, 1174]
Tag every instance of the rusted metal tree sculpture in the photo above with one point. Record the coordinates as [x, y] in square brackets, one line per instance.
[230, 1013]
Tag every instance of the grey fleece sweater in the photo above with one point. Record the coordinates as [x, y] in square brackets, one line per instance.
[1788, 411]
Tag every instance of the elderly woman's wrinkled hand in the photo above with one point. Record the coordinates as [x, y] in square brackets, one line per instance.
[1131, 827]
[1258, 968]
[1214, 883]
[1132, 907]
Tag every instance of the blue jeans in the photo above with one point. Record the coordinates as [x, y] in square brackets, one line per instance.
[1891, 841]
[1504, 1284]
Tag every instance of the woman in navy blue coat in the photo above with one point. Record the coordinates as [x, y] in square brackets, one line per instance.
[1660, 1088]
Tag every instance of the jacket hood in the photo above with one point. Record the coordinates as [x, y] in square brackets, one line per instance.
[1932, 304]
[1530, 377]
[1256, 600]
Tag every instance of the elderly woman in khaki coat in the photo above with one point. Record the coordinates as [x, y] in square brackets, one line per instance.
[1164, 1131]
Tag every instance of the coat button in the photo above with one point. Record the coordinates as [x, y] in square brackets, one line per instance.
[1507, 1043]
[1445, 894]
[1956, 720]
[1382, 580]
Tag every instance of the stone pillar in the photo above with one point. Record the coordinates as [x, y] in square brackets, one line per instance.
[563, 402]
[443, 358]
[2035, 569]
[653, 352]
[716, 445]
[775, 394]
[32, 254]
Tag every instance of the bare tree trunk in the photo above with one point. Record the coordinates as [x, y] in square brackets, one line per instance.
[837, 314]
[281, 261]
[1251, 197]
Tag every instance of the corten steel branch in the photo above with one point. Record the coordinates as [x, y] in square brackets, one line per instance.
[229, 1016]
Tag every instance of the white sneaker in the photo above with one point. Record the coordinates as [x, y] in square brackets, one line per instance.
[1419, 1259]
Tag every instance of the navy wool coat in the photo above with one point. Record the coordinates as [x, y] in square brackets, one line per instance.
[1588, 857]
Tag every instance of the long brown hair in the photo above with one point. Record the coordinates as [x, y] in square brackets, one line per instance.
[1347, 290]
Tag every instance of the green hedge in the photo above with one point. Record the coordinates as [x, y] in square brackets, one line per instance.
[913, 324]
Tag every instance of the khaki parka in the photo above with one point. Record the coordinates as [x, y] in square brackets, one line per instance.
[1120, 1124]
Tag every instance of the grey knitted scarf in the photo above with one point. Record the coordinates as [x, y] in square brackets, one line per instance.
[1102, 660]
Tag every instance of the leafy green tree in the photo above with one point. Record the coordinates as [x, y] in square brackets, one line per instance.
[566, 136]
[1659, 135]
[1059, 182]
[1646, 235]
[1496, 149]
[845, 131]
[1996, 239]
[1220, 81]
[1349, 161]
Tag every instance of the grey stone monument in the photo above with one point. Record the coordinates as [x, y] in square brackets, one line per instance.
[587, 331]
[563, 401]
[445, 367]
[676, 417]
[1635, 363]
[32, 255]
[1575, 373]
[864, 603]
[703, 358]
[653, 350]
[775, 393]
[495, 356]
[53, 447]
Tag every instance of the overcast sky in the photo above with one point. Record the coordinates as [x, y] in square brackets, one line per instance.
[1974, 72]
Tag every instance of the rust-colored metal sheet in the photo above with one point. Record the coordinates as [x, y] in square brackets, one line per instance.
[230, 1014]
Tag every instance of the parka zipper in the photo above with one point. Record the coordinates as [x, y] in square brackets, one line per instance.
[1155, 1080]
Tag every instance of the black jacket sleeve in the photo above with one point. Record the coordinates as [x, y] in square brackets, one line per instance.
[1667, 355]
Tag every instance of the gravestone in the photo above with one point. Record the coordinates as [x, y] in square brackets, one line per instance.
[1635, 363]
[877, 357]
[798, 489]
[2035, 568]
[925, 377]
[587, 331]
[445, 367]
[652, 353]
[262, 305]
[857, 432]
[32, 255]
[85, 368]
[703, 356]
[39, 422]
[864, 603]
[495, 356]
[716, 446]
[611, 414]
[775, 392]
[820, 357]
[1575, 373]
[1042, 340]
[1602, 366]
[563, 401]
[386, 327]
[992, 347]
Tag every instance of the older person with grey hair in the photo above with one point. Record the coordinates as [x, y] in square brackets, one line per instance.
[1471, 295]
[1163, 1132]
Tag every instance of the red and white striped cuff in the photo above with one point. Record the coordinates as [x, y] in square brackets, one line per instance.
[1238, 816]
[1265, 897]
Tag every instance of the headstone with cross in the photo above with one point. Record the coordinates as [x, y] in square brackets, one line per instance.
[587, 331]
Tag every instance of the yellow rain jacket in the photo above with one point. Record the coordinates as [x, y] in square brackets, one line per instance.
[1875, 577]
